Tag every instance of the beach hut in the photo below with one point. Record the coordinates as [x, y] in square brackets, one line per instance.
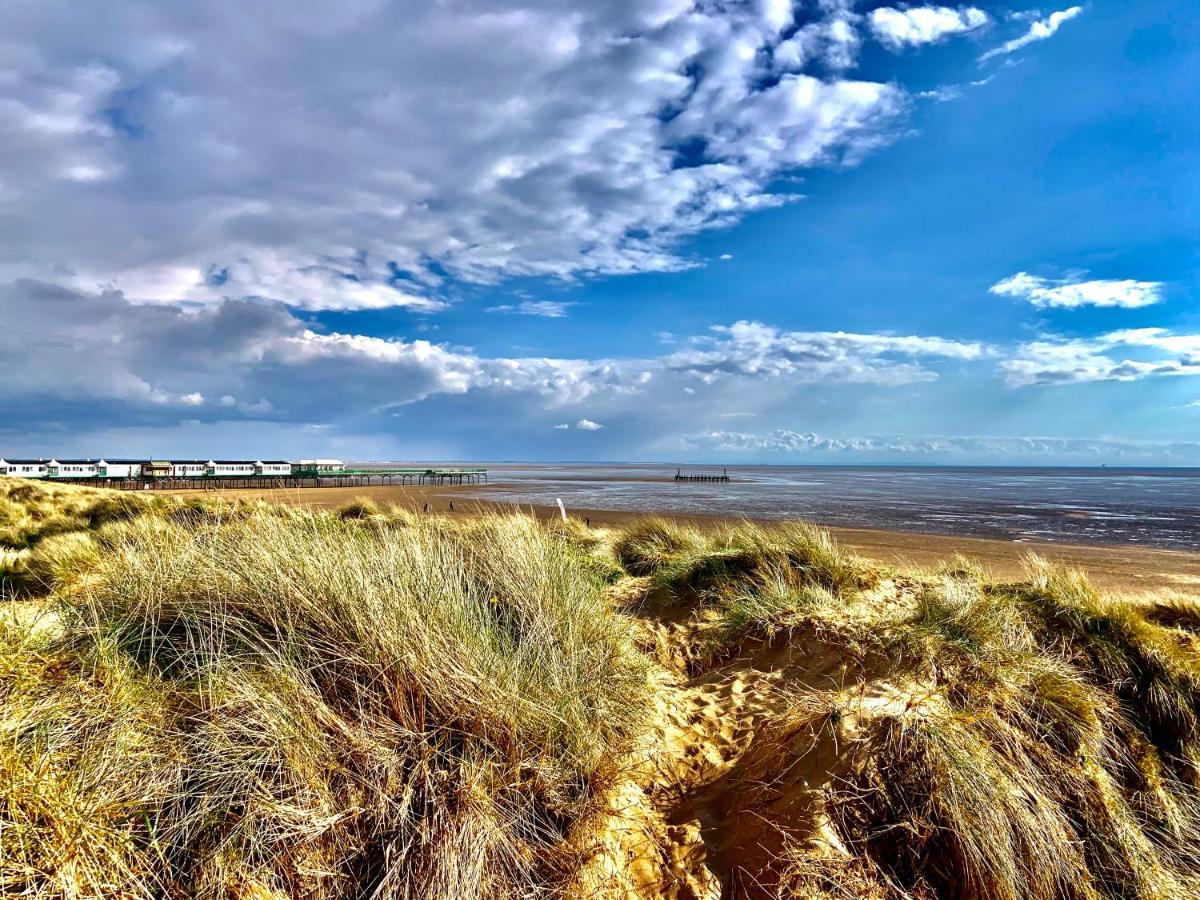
[118, 468]
[24, 468]
[272, 468]
[233, 468]
[322, 465]
[187, 468]
[71, 468]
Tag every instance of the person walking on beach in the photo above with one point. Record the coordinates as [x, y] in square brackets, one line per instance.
[451, 506]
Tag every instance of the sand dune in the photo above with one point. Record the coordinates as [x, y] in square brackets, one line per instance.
[1125, 568]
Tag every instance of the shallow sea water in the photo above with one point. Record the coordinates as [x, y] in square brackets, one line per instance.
[1146, 507]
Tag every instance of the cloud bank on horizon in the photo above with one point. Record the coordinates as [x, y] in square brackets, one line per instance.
[281, 225]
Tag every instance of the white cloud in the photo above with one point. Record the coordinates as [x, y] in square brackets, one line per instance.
[259, 360]
[237, 361]
[562, 426]
[900, 28]
[1040, 30]
[752, 349]
[1071, 293]
[1126, 355]
[726, 256]
[944, 93]
[546, 309]
[349, 159]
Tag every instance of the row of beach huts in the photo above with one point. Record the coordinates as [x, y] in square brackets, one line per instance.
[171, 469]
[176, 474]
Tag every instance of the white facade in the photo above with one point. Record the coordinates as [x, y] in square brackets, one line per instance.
[335, 465]
[189, 469]
[232, 467]
[105, 469]
[23, 468]
[70, 469]
[124, 469]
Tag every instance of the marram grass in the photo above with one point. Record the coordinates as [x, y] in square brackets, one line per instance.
[301, 705]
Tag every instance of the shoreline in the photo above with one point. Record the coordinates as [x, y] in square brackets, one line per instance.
[1120, 567]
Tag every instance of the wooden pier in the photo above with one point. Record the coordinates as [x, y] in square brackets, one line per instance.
[705, 477]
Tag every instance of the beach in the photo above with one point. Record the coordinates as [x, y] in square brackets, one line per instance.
[1124, 568]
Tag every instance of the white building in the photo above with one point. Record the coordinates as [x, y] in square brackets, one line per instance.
[71, 468]
[191, 468]
[23, 468]
[231, 467]
[118, 468]
[332, 465]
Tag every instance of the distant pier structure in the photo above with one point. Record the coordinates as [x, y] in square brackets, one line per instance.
[177, 474]
[710, 477]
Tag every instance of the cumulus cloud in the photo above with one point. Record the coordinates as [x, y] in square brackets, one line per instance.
[1040, 30]
[787, 443]
[1127, 355]
[900, 28]
[102, 358]
[1071, 293]
[104, 361]
[546, 309]
[355, 158]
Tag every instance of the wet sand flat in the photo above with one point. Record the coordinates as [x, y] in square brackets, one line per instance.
[1112, 566]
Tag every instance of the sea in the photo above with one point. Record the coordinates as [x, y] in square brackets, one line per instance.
[1147, 507]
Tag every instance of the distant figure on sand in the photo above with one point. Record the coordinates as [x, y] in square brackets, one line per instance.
[587, 522]
[451, 506]
[425, 508]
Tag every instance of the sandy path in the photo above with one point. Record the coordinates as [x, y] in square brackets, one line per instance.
[707, 812]
[742, 754]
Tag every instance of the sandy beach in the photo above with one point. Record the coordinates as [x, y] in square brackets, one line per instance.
[1114, 567]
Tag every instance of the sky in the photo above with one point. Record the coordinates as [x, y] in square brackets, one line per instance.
[627, 230]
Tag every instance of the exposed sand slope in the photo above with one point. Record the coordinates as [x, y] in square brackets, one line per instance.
[706, 813]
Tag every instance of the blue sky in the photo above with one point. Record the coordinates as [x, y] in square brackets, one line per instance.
[824, 232]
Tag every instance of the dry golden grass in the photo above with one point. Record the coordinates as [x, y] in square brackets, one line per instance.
[30, 511]
[246, 700]
[1028, 740]
[289, 704]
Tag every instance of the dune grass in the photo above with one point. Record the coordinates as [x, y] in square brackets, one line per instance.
[733, 562]
[1049, 746]
[249, 700]
[31, 511]
[296, 704]
[1050, 751]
